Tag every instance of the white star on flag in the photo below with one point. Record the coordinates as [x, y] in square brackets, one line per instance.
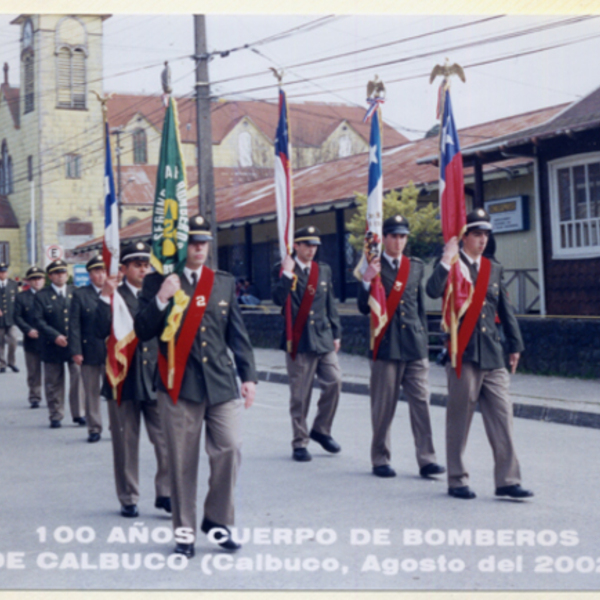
[373, 154]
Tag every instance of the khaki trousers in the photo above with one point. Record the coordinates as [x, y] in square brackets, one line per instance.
[8, 337]
[490, 388]
[387, 376]
[91, 378]
[33, 362]
[182, 424]
[125, 435]
[301, 373]
[54, 387]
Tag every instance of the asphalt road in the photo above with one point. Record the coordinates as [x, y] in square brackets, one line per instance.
[324, 525]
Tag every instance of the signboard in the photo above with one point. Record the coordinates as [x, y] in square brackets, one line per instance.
[80, 275]
[509, 214]
[53, 252]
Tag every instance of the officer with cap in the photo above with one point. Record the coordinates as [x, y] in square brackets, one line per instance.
[483, 378]
[400, 353]
[8, 331]
[315, 340]
[87, 350]
[51, 308]
[32, 343]
[202, 386]
[136, 396]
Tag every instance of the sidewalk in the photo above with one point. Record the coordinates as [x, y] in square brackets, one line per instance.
[553, 399]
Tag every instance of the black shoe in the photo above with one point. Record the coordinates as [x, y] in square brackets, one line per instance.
[514, 491]
[2, 369]
[34, 405]
[326, 441]
[301, 455]
[163, 502]
[384, 471]
[55, 424]
[464, 492]
[186, 549]
[129, 510]
[14, 368]
[93, 437]
[79, 420]
[431, 469]
[227, 543]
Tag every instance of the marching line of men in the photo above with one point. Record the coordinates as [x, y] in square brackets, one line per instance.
[211, 348]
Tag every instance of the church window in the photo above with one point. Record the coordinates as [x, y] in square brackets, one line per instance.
[71, 57]
[27, 57]
[73, 166]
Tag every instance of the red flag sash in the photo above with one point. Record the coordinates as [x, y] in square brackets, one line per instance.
[188, 329]
[305, 305]
[472, 315]
[394, 299]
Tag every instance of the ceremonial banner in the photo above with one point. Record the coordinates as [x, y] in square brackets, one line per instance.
[453, 214]
[373, 233]
[170, 217]
[284, 199]
[110, 244]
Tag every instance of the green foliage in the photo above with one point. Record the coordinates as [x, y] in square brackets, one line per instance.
[425, 226]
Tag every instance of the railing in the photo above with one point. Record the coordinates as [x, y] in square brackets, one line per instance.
[523, 289]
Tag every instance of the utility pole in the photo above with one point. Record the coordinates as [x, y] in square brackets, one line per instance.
[206, 183]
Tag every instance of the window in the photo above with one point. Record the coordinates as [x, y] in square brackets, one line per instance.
[73, 166]
[575, 203]
[6, 179]
[245, 149]
[344, 146]
[71, 78]
[140, 154]
[5, 252]
[9, 176]
[28, 83]
[30, 168]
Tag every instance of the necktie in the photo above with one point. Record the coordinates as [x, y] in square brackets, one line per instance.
[194, 279]
[475, 268]
[396, 263]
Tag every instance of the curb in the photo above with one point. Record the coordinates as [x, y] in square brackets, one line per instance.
[547, 414]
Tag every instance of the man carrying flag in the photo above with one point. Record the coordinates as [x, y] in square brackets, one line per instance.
[392, 293]
[130, 387]
[312, 332]
[194, 312]
[474, 293]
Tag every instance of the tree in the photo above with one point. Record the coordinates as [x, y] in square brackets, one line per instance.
[425, 227]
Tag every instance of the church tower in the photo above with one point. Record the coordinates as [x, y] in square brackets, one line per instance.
[58, 155]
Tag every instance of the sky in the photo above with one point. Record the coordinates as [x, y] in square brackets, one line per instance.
[528, 78]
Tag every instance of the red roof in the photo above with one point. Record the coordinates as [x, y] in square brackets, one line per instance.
[340, 180]
[11, 94]
[310, 123]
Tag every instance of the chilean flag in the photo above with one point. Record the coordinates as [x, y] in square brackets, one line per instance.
[374, 230]
[459, 289]
[110, 245]
[284, 199]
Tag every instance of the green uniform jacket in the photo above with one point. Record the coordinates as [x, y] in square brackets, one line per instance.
[406, 336]
[83, 339]
[484, 347]
[8, 296]
[139, 383]
[52, 319]
[25, 320]
[209, 374]
[323, 322]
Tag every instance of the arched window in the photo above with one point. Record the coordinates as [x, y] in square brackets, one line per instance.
[71, 55]
[140, 150]
[2, 192]
[9, 176]
[4, 183]
[27, 57]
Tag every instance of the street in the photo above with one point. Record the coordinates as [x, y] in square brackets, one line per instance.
[324, 525]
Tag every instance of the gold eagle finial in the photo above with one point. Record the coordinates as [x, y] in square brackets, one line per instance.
[447, 70]
[375, 88]
[277, 74]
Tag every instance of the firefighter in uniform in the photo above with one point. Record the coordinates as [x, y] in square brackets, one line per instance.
[136, 393]
[51, 308]
[204, 386]
[88, 351]
[32, 342]
[400, 355]
[483, 378]
[316, 339]
[8, 331]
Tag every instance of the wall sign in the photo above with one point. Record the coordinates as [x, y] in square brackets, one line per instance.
[509, 214]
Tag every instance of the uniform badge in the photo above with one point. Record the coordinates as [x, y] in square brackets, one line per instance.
[223, 303]
[53, 297]
[200, 300]
[397, 285]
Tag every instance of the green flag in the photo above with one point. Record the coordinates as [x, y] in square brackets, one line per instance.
[170, 217]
